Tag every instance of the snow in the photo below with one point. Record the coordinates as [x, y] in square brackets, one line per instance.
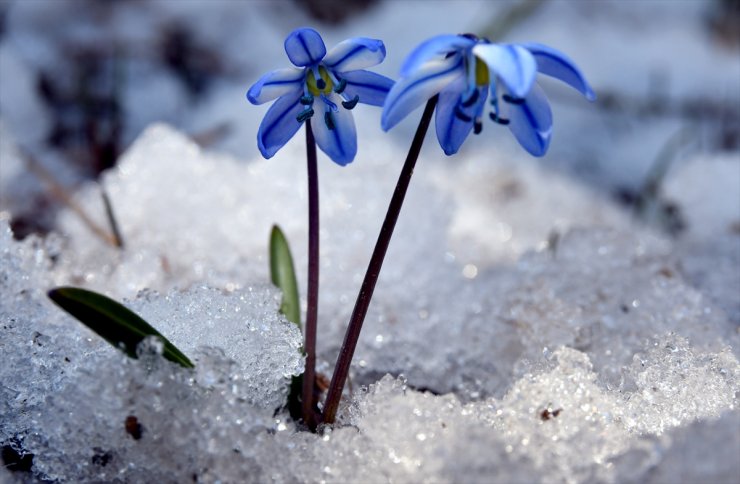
[709, 253]
[525, 327]
[585, 347]
[709, 213]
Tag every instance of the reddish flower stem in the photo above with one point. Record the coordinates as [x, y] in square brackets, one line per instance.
[309, 375]
[347, 351]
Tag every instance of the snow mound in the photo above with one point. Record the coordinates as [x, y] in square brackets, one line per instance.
[584, 350]
[78, 405]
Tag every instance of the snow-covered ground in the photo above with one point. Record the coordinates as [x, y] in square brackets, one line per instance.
[525, 328]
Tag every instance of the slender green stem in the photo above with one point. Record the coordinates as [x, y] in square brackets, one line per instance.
[373, 270]
[309, 375]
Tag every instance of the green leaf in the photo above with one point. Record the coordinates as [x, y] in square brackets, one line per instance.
[114, 322]
[283, 275]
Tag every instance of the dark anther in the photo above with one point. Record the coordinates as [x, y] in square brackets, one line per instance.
[512, 100]
[304, 115]
[307, 100]
[321, 84]
[351, 103]
[469, 36]
[472, 99]
[339, 88]
[496, 119]
[459, 114]
[477, 127]
[329, 120]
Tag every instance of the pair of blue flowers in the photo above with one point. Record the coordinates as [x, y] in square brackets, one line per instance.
[471, 75]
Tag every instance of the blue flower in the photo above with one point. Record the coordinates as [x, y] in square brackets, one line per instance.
[466, 71]
[331, 84]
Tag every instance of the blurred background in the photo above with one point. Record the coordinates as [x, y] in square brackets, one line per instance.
[81, 79]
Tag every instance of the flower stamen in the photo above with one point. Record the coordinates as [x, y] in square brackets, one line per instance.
[318, 80]
[477, 126]
[329, 120]
[351, 103]
[496, 119]
[339, 88]
[472, 98]
[330, 104]
[304, 115]
[459, 114]
[512, 100]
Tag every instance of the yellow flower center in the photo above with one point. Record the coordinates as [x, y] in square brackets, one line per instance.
[313, 87]
[482, 77]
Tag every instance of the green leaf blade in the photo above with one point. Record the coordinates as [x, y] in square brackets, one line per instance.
[282, 272]
[113, 321]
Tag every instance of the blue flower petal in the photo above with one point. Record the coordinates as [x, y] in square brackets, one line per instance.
[304, 47]
[356, 53]
[429, 49]
[452, 129]
[339, 143]
[426, 81]
[279, 124]
[531, 122]
[371, 88]
[513, 64]
[554, 63]
[275, 84]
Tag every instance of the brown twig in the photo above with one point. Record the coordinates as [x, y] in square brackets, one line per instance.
[212, 135]
[60, 193]
[110, 215]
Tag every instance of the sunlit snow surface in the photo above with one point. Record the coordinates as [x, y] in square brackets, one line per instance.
[579, 348]
[524, 328]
